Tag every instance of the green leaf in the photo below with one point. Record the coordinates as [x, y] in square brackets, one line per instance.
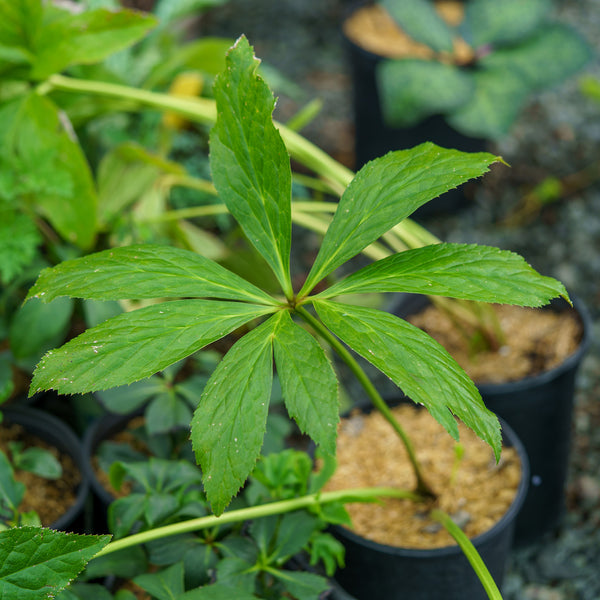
[37, 563]
[302, 586]
[146, 271]
[38, 461]
[21, 21]
[166, 413]
[89, 37]
[416, 363]
[36, 327]
[51, 172]
[499, 96]
[546, 59]
[229, 424]
[308, 382]
[420, 20]
[217, 591]
[237, 573]
[506, 22]
[164, 585]
[294, 530]
[465, 271]
[19, 241]
[124, 563]
[249, 162]
[168, 11]
[11, 490]
[386, 191]
[138, 344]
[411, 90]
[128, 398]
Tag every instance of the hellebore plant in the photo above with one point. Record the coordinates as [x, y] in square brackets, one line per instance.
[252, 174]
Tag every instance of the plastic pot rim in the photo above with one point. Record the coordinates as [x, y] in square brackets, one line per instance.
[454, 550]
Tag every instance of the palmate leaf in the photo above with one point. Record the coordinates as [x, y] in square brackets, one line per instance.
[465, 271]
[138, 344]
[308, 382]
[145, 271]
[416, 363]
[38, 563]
[229, 424]
[386, 191]
[413, 89]
[249, 162]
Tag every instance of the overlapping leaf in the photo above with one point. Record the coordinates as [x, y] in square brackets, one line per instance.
[36, 564]
[308, 382]
[465, 271]
[249, 162]
[145, 271]
[416, 363]
[229, 424]
[386, 191]
[138, 344]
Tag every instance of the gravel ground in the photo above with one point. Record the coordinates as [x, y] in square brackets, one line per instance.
[557, 135]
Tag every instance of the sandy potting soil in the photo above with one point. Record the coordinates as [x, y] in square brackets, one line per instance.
[474, 490]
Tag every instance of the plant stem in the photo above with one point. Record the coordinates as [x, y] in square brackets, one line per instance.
[422, 488]
[470, 552]
[255, 512]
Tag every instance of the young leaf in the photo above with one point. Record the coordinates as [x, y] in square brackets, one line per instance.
[416, 363]
[249, 162]
[500, 94]
[54, 176]
[413, 89]
[302, 586]
[308, 382]
[11, 490]
[420, 20]
[164, 585]
[229, 424]
[545, 59]
[145, 271]
[36, 563]
[85, 38]
[506, 22]
[465, 271]
[386, 191]
[138, 344]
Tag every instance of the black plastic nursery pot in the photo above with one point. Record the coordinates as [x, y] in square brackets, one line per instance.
[376, 571]
[540, 410]
[56, 433]
[374, 138]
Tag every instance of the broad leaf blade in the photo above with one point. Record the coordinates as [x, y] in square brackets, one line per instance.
[420, 20]
[416, 363]
[465, 271]
[145, 271]
[547, 58]
[249, 161]
[500, 94]
[506, 22]
[53, 175]
[138, 344]
[308, 382]
[386, 191]
[229, 424]
[37, 563]
[86, 38]
[412, 90]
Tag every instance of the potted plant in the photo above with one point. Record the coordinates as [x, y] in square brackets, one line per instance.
[251, 170]
[457, 74]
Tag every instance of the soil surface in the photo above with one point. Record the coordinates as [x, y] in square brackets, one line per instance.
[557, 135]
[472, 488]
[49, 498]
